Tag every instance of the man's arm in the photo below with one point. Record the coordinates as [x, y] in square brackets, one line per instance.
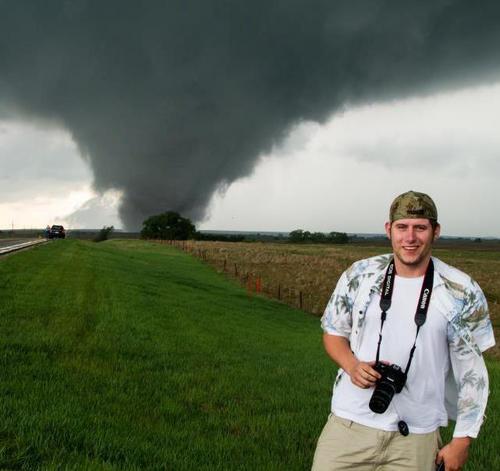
[471, 377]
[338, 349]
[455, 454]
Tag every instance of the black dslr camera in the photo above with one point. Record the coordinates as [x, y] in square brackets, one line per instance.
[392, 381]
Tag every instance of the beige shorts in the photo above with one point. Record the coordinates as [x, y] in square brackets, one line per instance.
[346, 445]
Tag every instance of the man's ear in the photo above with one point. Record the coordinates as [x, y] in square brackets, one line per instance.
[437, 232]
[388, 229]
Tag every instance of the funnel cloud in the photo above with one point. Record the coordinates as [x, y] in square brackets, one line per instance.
[170, 101]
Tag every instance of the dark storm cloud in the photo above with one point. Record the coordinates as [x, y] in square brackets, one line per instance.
[169, 100]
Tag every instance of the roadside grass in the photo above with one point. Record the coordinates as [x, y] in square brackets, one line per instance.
[129, 355]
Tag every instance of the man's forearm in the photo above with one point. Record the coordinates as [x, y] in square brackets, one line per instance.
[339, 350]
[471, 378]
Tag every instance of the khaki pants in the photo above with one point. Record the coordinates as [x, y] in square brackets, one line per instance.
[346, 445]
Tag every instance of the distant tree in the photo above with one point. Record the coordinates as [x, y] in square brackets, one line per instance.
[300, 236]
[338, 238]
[318, 238]
[104, 233]
[168, 226]
[296, 236]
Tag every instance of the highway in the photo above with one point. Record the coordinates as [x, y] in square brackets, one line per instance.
[11, 245]
[7, 242]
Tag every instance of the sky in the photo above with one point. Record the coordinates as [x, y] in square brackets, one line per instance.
[445, 144]
[343, 175]
[316, 121]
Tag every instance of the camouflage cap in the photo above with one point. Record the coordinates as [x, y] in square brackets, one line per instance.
[413, 205]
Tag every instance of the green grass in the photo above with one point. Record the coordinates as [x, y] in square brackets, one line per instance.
[128, 355]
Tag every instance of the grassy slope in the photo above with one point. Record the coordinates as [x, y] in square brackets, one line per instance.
[124, 355]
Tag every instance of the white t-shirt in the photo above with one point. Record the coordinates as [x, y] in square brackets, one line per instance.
[421, 402]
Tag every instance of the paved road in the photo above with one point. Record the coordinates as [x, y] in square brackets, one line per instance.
[7, 242]
[13, 245]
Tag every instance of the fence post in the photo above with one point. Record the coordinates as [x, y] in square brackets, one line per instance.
[248, 280]
[279, 291]
[300, 299]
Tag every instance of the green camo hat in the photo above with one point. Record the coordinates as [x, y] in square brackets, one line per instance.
[413, 205]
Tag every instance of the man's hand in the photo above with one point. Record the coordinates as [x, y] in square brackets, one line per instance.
[454, 454]
[361, 372]
[363, 375]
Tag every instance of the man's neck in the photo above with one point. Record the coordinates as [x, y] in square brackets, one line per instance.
[411, 271]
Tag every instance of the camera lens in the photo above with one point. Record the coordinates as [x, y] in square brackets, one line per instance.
[382, 396]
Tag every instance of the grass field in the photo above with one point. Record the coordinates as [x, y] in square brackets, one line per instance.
[311, 271]
[130, 355]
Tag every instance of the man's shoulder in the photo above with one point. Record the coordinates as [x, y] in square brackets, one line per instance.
[470, 317]
[369, 266]
[453, 275]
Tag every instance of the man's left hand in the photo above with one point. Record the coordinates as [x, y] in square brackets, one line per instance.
[454, 454]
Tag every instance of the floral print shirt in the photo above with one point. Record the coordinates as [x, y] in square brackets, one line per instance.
[459, 298]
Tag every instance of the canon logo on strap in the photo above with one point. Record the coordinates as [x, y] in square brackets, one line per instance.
[425, 295]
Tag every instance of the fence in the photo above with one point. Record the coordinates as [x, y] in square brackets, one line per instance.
[263, 270]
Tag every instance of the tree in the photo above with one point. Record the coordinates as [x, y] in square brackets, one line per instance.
[296, 236]
[168, 226]
[104, 233]
[338, 238]
[300, 236]
[318, 238]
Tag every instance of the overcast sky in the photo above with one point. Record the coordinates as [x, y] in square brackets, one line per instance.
[261, 116]
[344, 175]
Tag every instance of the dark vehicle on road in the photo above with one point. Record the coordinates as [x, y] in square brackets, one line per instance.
[57, 232]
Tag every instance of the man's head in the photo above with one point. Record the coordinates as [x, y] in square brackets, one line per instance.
[413, 205]
[412, 228]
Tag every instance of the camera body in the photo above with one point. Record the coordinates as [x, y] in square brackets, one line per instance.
[392, 381]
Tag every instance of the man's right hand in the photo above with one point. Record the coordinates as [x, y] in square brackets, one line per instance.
[361, 372]
[363, 375]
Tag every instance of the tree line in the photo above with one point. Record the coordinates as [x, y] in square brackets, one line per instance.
[170, 225]
[300, 236]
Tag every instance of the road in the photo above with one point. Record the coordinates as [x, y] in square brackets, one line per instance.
[17, 244]
[7, 242]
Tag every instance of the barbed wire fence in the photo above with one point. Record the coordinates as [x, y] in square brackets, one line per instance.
[254, 282]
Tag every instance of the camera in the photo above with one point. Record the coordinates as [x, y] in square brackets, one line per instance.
[392, 381]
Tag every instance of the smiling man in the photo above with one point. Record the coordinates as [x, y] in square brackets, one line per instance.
[408, 332]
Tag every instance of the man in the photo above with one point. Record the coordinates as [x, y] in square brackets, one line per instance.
[431, 320]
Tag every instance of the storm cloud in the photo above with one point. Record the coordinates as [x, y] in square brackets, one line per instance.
[170, 101]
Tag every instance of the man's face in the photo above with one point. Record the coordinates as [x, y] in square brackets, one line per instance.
[411, 241]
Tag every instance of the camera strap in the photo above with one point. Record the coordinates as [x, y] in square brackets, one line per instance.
[422, 306]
